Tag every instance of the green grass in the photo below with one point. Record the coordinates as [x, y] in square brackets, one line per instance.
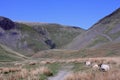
[62, 37]
[54, 67]
[42, 77]
[97, 40]
[36, 45]
[111, 53]
[28, 67]
[77, 54]
[26, 28]
[65, 54]
[7, 56]
[79, 67]
[115, 35]
[109, 28]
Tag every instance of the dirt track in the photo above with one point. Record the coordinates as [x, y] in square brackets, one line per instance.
[60, 75]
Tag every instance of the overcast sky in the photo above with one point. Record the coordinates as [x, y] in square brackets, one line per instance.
[82, 13]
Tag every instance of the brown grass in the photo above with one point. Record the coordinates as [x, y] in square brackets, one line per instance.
[23, 73]
[18, 64]
[47, 62]
[34, 72]
[45, 71]
[32, 63]
[111, 75]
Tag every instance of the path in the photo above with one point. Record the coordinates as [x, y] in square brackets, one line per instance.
[60, 75]
[105, 35]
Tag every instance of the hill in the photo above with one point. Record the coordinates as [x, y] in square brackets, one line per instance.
[28, 38]
[106, 50]
[107, 30]
[51, 40]
[7, 54]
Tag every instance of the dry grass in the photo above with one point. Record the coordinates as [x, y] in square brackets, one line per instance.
[46, 71]
[18, 64]
[6, 70]
[34, 69]
[111, 75]
[47, 62]
[91, 74]
[23, 73]
[98, 60]
[32, 63]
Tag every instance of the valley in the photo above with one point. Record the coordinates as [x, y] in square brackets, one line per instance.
[51, 51]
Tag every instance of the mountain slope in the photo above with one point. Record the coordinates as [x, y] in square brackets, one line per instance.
[105, 30]
[59, 34]
[28, 38]
[7, 54]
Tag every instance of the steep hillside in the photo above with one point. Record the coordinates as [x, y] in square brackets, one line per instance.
[59, 34]
[104, 31]
[7, 54]
[29, 38]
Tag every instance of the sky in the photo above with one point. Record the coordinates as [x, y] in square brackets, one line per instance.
[81, 13]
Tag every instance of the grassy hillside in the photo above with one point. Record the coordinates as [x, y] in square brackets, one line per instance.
[105, 30]
[61, 35]
[43, 36]
[7, 54]
[106, 50]
[29, 38]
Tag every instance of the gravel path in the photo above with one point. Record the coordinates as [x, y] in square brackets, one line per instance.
[60, 75]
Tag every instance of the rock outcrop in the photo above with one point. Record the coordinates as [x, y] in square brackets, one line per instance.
[6, 23]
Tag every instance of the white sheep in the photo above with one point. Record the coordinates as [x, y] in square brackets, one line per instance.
[95, 67]
[88, 63]
[104, 67]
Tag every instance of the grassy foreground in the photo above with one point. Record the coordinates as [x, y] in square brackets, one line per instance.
[44, 68]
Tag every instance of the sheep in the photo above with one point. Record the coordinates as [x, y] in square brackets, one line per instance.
[104, 67]
[88, 63]
[95, 67]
